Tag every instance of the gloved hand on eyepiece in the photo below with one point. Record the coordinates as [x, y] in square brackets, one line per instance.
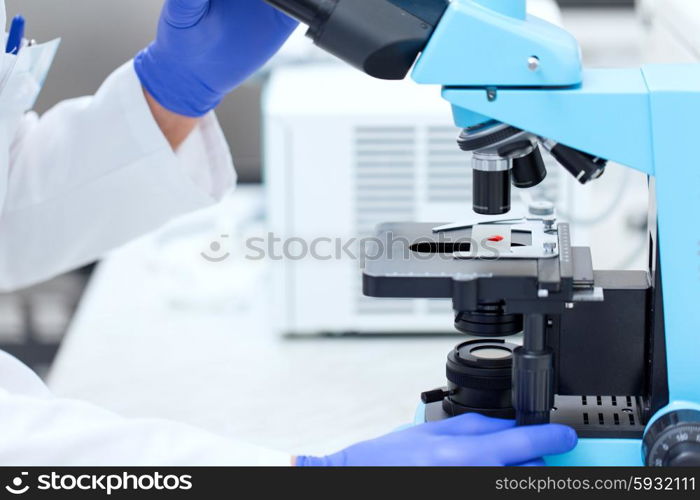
[466, 440]
[206, 48]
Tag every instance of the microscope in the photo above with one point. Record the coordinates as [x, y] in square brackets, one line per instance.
[614, 354]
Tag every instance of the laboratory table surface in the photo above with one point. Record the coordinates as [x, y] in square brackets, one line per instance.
[157, 336]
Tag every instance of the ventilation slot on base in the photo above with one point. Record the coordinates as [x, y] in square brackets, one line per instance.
[600, 416]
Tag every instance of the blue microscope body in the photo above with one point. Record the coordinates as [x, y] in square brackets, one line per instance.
[645, 119]
[504, 70]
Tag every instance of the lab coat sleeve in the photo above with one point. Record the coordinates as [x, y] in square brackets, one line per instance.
[96, 172]
[46, 431]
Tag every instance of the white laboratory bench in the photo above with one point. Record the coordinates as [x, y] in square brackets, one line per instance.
[144, 353]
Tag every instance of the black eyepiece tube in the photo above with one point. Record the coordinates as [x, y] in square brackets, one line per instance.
[304, 11]
[381, 37]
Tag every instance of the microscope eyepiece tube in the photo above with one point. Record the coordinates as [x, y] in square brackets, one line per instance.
[313, 13]
[381, 37]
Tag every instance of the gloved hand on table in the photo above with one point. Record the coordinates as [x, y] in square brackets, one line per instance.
[467, 440]
[206, 48]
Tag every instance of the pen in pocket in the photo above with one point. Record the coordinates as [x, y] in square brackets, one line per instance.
[15, 36]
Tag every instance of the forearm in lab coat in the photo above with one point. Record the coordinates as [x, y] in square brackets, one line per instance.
[45, 431]
[96, 172]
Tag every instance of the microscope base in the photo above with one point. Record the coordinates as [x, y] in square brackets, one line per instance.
[596, 452]
[591, 452]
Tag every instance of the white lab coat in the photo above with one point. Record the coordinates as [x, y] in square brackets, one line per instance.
[89, 175]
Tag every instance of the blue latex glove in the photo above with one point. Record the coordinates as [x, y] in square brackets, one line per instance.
[206, 48]
[467, 440]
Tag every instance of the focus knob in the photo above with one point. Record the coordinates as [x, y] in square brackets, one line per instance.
[674, 440]
[684, 455]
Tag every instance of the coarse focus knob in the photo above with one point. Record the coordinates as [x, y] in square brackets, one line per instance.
[674, 440]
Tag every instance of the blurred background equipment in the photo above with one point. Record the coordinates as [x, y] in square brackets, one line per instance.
[34, 321]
